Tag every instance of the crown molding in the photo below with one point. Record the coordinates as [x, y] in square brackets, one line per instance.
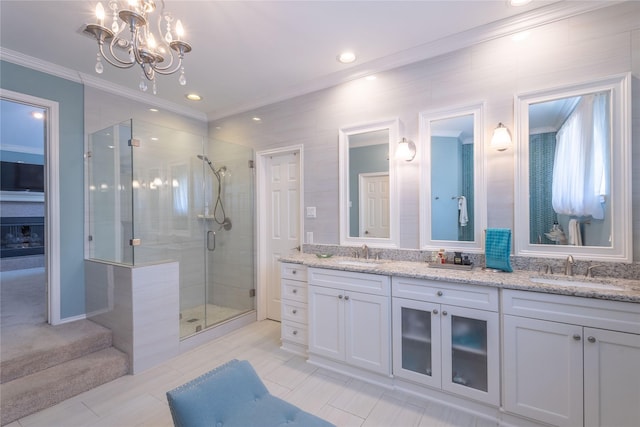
[505, 27]
[97, 83]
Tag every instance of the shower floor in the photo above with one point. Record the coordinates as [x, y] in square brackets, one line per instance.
[192, 320]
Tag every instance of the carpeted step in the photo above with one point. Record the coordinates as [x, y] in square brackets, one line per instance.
[32, 393]
[27, 349]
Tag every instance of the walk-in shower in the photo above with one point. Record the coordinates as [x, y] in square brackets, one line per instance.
[154, 196]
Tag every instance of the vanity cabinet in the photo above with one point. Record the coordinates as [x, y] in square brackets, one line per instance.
[571, 361]
[293, 327]
[446, 336]
[349, 318]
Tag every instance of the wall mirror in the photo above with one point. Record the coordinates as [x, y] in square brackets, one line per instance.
[452, 183]
[573, 171]
[368, 189]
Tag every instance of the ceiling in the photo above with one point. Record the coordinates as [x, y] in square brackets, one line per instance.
[251, 53]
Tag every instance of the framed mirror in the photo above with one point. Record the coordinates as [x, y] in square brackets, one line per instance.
[368, 184]
[452, 182]
[573, 171]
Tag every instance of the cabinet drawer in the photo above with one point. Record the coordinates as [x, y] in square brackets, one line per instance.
[293, 331]
[294, 290]
[294, 311]
[349, 281]
[294, 271]
[472, 296]
[597, 313]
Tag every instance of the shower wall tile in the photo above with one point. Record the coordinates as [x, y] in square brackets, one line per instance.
[156, 329]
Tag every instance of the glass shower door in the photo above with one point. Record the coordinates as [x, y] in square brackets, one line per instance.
[229, 220]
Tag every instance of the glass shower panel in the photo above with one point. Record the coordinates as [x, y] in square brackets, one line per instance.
[228, 215]
[110, 193]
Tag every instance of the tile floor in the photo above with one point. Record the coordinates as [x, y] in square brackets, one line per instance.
[140, 400]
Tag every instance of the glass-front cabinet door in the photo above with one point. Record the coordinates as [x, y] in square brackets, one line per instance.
[447, 347]
[416, 341]
[470, 347]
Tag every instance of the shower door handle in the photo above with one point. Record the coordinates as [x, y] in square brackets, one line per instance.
[211, 240]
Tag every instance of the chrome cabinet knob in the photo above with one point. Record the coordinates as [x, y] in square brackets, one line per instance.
[293, 272]
[295, 332]
[444, 312]
[346, 297]
[576, 337]
[591, 339]
[440, 293]
[339, 296]
[295, 291]
[294, 311]
[435, 311]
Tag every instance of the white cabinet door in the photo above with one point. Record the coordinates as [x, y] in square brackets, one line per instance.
[367, 331]
[543, 370]
[611, 378]
[326, 322]
[416, 341]
[470, 353]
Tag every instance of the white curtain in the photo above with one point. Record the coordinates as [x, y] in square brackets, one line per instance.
[580, 169]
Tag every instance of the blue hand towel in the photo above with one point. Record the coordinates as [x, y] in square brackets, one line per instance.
[497, 248]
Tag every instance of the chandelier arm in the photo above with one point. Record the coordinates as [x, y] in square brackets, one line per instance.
[165, 71]
[118, 63]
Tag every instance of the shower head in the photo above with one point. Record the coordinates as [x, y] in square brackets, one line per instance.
[205, 158]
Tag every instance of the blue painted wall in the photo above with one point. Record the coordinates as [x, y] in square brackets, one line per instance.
[70, 97]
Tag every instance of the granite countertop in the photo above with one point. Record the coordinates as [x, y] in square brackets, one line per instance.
[604, 288]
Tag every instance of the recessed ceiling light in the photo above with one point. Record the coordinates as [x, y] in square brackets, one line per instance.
[370, 78]
[346, 57]
[517, 3]
[256, 119]
[153, 110]
[193, 97]
[153, 138]
[38, 115]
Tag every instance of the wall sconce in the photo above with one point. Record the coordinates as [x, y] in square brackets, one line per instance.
[501, 139]
[406, 150]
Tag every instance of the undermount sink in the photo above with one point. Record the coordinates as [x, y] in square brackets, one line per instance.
[370, 264]
[576, 283]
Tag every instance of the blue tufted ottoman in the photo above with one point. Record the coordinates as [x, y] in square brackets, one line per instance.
[233, 395]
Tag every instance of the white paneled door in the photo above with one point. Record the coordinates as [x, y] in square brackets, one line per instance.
[374, 205]
[283, 229]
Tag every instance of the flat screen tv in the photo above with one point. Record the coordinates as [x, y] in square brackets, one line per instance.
[21, 177]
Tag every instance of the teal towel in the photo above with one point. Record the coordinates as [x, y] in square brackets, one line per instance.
[497, 248]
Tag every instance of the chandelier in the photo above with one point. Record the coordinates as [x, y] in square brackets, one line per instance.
[156, 54]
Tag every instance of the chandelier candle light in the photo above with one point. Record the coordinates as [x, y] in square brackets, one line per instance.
[141, 47]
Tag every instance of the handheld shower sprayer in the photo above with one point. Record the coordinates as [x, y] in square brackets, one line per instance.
[225, 222]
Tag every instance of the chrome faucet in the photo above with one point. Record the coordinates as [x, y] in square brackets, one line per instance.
[365, 251]
[568, 266]
[589, 272]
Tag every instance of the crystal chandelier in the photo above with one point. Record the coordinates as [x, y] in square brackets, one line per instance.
[140, 46]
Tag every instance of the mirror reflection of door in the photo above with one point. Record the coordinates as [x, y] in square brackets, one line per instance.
[374, 204]
[369, 155]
